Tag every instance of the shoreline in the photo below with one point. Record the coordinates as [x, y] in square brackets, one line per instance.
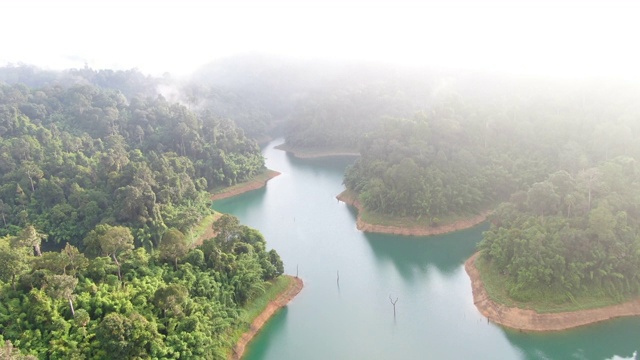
[295, 285]
[364, 226]
[256, 183]
[314, 154]
[208, 233]
[281, 301]
[529, 320]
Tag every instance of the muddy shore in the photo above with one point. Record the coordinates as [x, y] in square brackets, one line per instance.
[411, 230]
[529, 320]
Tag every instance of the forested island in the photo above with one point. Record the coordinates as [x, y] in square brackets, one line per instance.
[566, 243]
[100, 193]
[558, 170]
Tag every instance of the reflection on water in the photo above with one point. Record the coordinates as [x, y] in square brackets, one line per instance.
[319, 165]
[410, 253]
[276, 325]
[620, 337]
[436, 317]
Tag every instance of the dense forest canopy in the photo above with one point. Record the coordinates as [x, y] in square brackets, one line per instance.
[115, 173]
[466, 154]
[75, 157]
[564, 157]
[120, 302]
[102, 165]
[439, 145]
[570, 235]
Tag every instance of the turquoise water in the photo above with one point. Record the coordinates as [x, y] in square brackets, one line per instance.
[353, 319]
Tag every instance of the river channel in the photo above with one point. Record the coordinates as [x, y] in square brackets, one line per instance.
[353, 318]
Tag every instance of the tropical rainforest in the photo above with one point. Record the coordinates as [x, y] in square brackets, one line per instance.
[558, 163]
[570, 235]
[97, 192]
[103, 173]
[436, 146]
[466, 154]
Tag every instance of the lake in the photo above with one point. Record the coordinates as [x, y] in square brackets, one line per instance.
[353, 318]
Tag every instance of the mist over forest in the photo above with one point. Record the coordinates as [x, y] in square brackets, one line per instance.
[92, 155]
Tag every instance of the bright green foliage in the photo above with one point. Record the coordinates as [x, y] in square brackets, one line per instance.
[64, 305]
[111, 241]
[115, 179]
[15, 261]
[61, 287]
[29, 236]
[570, 236]
[127, 337]
[173, 246]
[73, 157]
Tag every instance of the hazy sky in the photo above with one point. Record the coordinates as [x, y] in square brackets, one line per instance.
[531, 37]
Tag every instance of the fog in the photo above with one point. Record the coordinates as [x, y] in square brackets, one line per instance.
[558, 39]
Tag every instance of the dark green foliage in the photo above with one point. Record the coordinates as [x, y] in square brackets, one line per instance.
[561, 235]
[74, 157]
[466, 154]
[424, 167]
[276, 262]
[173, 246]
[566, 239]
[116, 178]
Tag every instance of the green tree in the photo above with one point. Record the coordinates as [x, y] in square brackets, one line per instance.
[4, 209]
[114, 241]
[542, 198]
[82, 317]
[15, 262]
[173, 246]
[127, 337]
[227, 228]
[32, 172]
[62, 287]
[171, 298]
[73, 260]
[8, 352]
[29, 236]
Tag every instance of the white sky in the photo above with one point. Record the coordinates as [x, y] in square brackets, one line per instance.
[530, 37]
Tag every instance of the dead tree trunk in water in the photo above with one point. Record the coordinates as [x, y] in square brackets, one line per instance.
[394, 305]
[338, 277]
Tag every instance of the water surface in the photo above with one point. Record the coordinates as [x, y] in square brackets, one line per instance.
[353, 319]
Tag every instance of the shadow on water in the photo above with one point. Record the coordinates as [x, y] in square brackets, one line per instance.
[353, 212]
[323, 164]
[249, 200]
[589, 342]
[447, 252]
[274, 327]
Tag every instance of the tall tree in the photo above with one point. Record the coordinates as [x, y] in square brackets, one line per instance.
[116, 240]
[4, 209]
[173, 246]
[62, 287]
[15, 261]
[29, 236]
